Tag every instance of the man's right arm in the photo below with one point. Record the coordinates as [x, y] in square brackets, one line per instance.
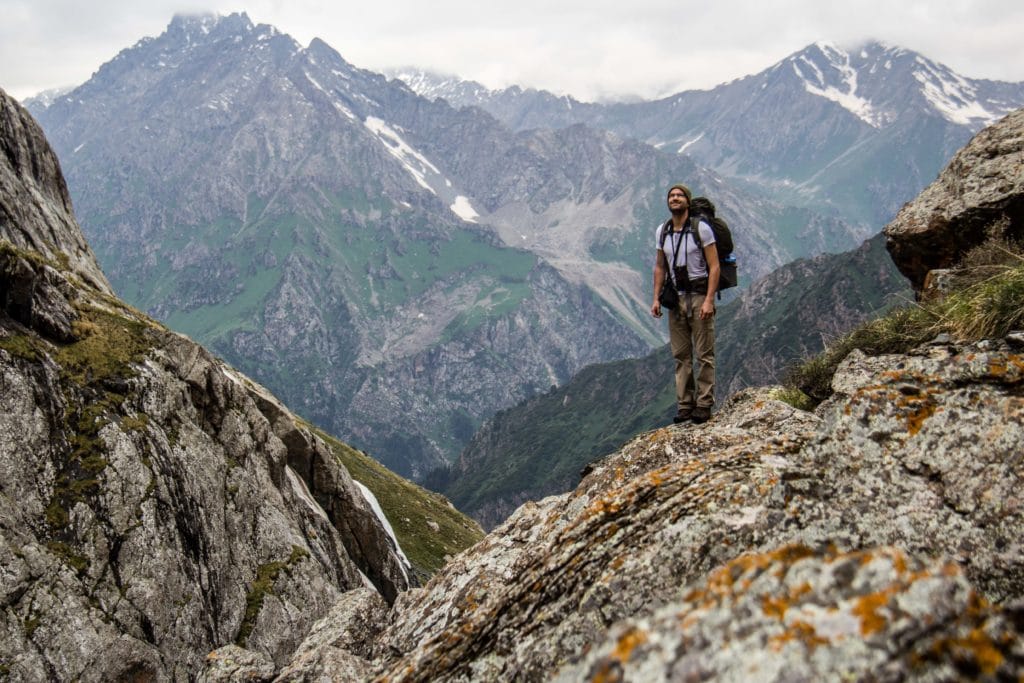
[659, 277]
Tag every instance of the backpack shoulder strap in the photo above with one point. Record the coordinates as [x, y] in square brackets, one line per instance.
[695, 229]
[664, 232]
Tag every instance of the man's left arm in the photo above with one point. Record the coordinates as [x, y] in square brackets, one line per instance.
[707, 309]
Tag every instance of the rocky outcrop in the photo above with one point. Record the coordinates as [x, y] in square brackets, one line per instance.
[878, 538]
[154, 503]
[35, 207]
[981, 189]
[801, 615]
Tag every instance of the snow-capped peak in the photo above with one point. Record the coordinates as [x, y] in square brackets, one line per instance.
[878, 83]
[836, 80]
[951, 94]
[433, 85]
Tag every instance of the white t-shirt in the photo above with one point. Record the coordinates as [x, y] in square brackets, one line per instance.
[691, 255]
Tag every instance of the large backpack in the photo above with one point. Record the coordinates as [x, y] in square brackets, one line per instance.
[701, 208]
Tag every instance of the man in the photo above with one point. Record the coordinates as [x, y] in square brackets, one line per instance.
[692, 265]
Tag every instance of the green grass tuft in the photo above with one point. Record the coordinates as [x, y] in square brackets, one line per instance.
[20, 346]
[262, 586]
[986, 301]
[107, 347]
[793, 397]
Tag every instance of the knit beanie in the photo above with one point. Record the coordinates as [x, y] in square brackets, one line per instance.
[684, 188]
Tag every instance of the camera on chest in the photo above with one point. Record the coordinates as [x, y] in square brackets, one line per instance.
[682, 278]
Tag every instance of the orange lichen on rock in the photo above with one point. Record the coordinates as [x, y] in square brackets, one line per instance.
[659, 435]
[606, 505]
[723, 582]
[656, 478]
[899, 563]
[610, 669]
[868, 608]
[774, 607]
[977, 647]
[627, 643]
[1003, 365]
[799, 631]
[918, 416]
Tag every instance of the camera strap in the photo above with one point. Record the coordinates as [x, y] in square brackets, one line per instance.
[667, 230]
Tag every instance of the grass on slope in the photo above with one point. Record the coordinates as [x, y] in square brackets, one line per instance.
[411, 510]
[986, 300]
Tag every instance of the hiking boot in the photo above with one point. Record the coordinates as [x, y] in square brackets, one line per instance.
[701, 414]
[683, 415]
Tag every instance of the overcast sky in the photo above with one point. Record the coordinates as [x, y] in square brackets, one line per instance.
[596, 49]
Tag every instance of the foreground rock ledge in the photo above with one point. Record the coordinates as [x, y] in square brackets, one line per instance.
[876, 538]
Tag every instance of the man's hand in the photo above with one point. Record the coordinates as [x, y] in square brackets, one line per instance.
[656, 309]
[707, 309]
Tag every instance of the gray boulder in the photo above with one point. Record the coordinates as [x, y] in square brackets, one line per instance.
[796, 614]
[982, 187]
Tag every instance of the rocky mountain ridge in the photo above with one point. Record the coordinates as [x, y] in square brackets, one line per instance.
[35, 208]
[861, 539]
[815, 125]
[156, 503]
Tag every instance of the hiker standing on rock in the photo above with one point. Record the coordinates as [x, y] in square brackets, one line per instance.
[686, 273]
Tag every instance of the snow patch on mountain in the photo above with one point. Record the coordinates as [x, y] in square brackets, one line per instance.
[686, 144]
[379, 512]
[952, 95]
[845, 92]
[415, 163]
[342, 109]
[456, 91]
[462, 208]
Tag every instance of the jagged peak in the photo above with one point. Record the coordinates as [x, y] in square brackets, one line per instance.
[202, 28]
[207, 22]
[839, 73]
[833, 77]
[319, 50]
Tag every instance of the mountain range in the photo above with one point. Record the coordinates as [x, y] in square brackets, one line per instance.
[860, 131]
[399, 269]
[395, 268]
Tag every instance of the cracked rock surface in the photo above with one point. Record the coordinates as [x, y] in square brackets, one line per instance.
[877, 538]
[154, 503]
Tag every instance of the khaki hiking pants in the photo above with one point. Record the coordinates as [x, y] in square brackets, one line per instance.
[692, 339]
